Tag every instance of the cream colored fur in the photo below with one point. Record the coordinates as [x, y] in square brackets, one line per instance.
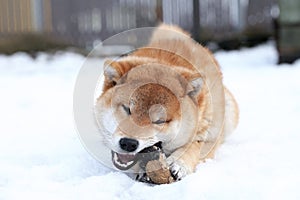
[170, 80]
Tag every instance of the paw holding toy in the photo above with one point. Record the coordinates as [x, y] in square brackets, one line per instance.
[158, 171]
[153, 161]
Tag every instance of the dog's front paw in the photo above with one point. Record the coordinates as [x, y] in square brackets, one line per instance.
[178, 168]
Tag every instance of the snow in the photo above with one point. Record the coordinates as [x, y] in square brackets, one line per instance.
[41, 156]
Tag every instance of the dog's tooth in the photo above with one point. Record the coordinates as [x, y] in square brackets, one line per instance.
[118, 162]
[122, 164]
[116, 158]
[129, 163]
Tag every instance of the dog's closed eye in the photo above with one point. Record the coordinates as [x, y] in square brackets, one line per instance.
[126, 109]
[160, 121]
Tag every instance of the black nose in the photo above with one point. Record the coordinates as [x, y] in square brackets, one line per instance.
[128, 144]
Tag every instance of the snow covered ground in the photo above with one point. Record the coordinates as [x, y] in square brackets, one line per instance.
[41, 156]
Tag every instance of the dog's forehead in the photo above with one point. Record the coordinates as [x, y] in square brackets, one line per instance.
[153, 93]
[157, 74]
[152, 73]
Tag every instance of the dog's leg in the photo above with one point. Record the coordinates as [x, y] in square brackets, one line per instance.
[185, 159]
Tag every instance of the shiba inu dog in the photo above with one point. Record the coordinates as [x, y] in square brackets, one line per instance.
[159, 94]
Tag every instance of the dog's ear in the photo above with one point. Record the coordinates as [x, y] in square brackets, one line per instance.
[196, 84]
[113, 71]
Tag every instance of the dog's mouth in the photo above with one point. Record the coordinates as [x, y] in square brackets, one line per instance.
[124, 161]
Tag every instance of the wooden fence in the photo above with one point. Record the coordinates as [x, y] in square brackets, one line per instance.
[83, 22]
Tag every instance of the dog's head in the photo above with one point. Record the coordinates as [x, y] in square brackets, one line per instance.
[146, 104]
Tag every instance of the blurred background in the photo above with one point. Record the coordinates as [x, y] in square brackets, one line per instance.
[47, 25]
